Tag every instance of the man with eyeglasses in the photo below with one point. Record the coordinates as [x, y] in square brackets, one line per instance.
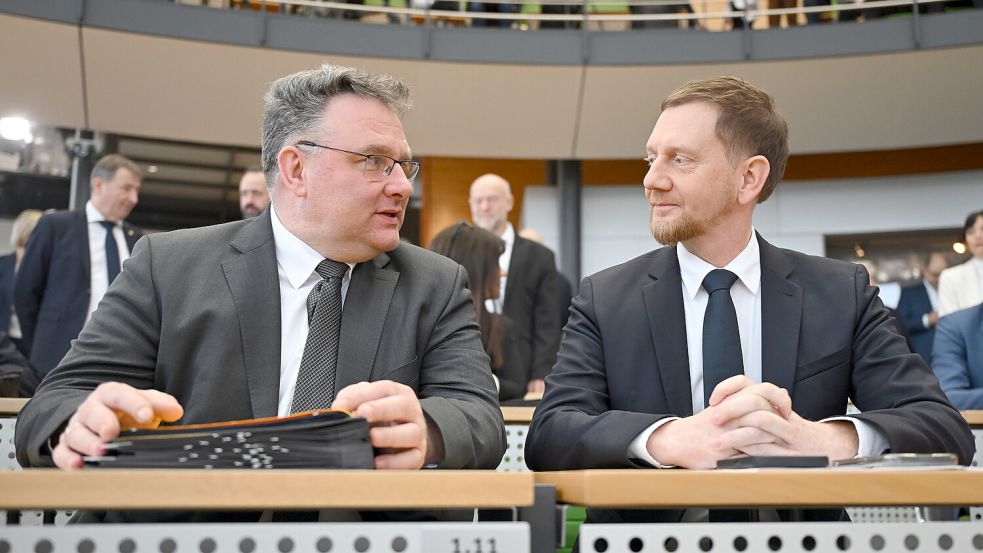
[215, 323]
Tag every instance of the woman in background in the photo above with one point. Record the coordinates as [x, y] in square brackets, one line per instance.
[478, 250]
[23, 227]
[961, 286]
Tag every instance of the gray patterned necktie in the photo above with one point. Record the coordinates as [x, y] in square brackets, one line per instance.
[315, 380]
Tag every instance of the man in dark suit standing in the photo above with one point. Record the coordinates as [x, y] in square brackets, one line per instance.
[918, 307]
[71, 259]
[721, 344]
[312, 304]
[530, 297]
[958, 357]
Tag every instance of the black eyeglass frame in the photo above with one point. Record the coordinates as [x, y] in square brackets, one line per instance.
[411, 174]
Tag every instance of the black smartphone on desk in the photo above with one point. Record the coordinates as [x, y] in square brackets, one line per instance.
[774, 462]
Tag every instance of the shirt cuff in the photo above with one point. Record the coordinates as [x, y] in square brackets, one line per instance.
[870, 440]
[638, 448]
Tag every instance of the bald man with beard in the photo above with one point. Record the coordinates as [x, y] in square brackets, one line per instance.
[530, 297]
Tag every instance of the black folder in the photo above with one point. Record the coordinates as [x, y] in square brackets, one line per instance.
[312, 440]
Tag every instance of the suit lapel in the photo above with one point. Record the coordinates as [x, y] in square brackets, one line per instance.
[781, 317]
[82, 227]
[667, 324]
[251, 271]
[130, 232]
[516, 262]
[370, 294]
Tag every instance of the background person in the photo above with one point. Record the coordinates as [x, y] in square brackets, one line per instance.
[253, 196]
[958, 357]
[530, 296]
[478, 250]
[918, 307]
[72, 258]
[962, 286]
[22, 228]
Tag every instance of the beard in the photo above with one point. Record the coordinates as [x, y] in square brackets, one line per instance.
[683, 228]
[689, 225]
[487, 222]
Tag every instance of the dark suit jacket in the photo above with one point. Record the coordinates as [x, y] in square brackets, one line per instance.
[913, 304]
[12, 367]
[532, 306]
[196, 314]
[958, 357]
[51, 293]
[7, 265]
[826, 337]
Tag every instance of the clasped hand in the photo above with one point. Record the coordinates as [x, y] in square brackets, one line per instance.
[399, 427]
[747, 418]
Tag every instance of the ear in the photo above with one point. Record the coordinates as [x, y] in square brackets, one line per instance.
[755, 172]
[290, 163]
[96, 184]
[509, 202]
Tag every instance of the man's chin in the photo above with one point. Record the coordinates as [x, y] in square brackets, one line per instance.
[671, 233]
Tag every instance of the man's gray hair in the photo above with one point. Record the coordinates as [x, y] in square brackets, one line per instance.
[295, 104]
[107, 166]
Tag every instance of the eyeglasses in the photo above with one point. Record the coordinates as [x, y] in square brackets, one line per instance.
[377, 166]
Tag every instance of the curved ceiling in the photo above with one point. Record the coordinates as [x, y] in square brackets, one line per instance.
[191, 90]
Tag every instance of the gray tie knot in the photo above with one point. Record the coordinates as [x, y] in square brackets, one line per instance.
[329, 269]
[718, 279]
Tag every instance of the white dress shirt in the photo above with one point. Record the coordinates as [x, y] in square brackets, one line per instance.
[497, 305]
[933, 298]
[98, 274]
[295, 264]
[746, 294]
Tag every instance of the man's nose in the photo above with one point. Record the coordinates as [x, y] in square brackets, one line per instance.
[398, 184]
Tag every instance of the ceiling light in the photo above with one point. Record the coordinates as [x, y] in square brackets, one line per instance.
[15, 128]
[151, 168]
[959, 247]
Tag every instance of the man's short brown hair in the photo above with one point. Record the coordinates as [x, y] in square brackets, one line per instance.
[748, 123]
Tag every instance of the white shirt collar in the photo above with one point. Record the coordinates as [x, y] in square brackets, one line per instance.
[508, 236]
[93, 215]
[979, 265]
[747, 267]
[296, 259]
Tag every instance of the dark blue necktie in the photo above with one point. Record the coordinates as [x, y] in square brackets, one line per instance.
[722, 357]
[112, 252]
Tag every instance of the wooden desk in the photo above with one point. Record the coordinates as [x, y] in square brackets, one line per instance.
[11, 406]
[519, 415]
[974, 418]
[764, 488]
[257, 489]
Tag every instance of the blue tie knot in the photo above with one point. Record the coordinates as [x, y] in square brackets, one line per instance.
[718, 279]
[329, 269]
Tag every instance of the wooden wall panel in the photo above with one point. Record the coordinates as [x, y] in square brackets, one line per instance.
[446, 182]
[843, 165]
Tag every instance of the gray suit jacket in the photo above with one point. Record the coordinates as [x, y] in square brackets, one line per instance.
[196, 313]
